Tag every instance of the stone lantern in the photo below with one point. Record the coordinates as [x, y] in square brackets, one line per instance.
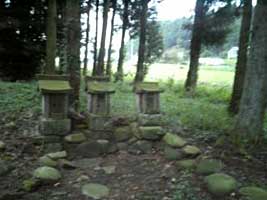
[55, 90]
[99, 105]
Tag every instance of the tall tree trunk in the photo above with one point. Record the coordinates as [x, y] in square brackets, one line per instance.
[109, 64]
[119, 74]
[85, 61]
[96, 38]
[62, 37]
[101, 57]
[51, 33]
[195, 48]
[242, 57]
[73, 49]
[249, 124]
[139, 76]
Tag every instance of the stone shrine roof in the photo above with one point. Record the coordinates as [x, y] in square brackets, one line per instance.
[148, 87]
[95, 87]
[54, 86]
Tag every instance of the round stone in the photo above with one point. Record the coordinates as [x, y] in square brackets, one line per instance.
[2, 145]
[220, 184]
[174, 140]
[186, 164]
[253, 193]
[209, 166]
[95, 191]
[47, 174]
[46, 161]
[190, 150]
[172, 154]
[75, 138]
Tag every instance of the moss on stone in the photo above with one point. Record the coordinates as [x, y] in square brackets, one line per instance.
[186, 164]
[174, 140]
[147, 87]
[54, 86]
[100, 87]
[253, 193]
[209, 166]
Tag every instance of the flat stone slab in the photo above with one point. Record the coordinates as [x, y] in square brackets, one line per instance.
[57, 155]
[151, 132]
[209, 166]
[59, 127]
[253, 193]
[75, 138]
[220, 184]
[174, 140]
[95, 191]
[47, 174]
[191, 151]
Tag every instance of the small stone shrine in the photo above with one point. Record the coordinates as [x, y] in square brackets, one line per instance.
[99, 93]
[54, 121]
[148, 105]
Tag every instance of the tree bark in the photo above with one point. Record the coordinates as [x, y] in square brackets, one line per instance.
[101, 57]
[119, 74]
[73, 49]
[96, 39]
[139, 76]
[85, 61]
[109, 64]
[51, 34]
[242, 57]
[195, 48]
[249, 124]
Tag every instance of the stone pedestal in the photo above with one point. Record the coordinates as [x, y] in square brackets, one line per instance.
[54, 124]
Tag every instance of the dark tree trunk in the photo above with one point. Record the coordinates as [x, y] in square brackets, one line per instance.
[51, 34]
[249, 124]
[195, 48]
[85, 61]
[119, 74]
[73, 49]
[109, 62]
[139, 76]
[96, 38]
[242, 57]
[101, 57]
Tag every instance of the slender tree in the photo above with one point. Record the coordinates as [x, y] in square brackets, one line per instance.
[109, 62]
[85, 61]
[96, 38]
[51, 33]
[195, 48]
[125, 24]
[139, 76]
[249, 124]
[242, 57]
[101, 57]
[73, 49]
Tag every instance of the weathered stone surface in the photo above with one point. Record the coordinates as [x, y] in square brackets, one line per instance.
[209, 166]
[53, 147]
[2, 145]
[66, 164]
[5, 168]
[47, 174]
[122, 146]
[75, 138]
[150, 120]
[59, 127]
[151, 132]
[220, 184]
[172, 154]
[122, 134]
[174, 140]
[95, 191]
[191, 151]
[99, 123]
[99, 135]
[253, 193]
[87, 163]
[57, 155]
[140, 147]
[186, 164]
[47, 161]
[92, 149]
[109, 169]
